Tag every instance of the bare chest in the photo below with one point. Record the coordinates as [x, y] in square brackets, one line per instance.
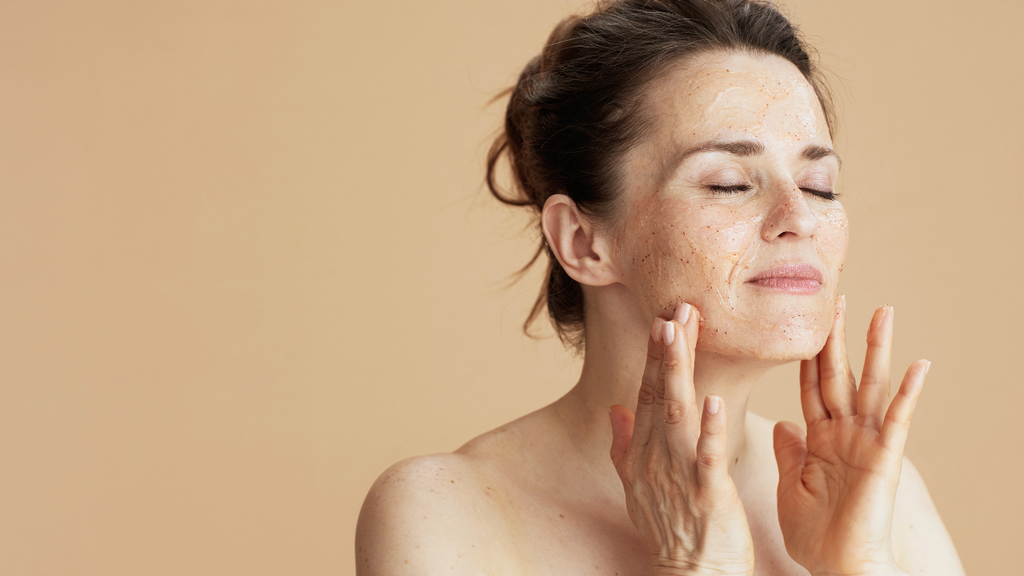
[595, 536]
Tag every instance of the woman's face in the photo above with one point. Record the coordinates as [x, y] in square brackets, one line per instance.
[730, 207]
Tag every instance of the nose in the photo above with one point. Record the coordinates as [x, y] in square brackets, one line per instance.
[789, 215]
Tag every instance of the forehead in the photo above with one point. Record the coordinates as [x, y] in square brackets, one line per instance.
[722, 94]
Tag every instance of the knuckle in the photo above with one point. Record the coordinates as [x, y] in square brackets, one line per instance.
[654, 354]
[708, 460]
[646, 394]
[827, 372]
[876, 340]
[674, 412]
[895, 420]
[672, 362]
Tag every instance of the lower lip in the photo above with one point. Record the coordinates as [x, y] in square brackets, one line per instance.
[789, 285]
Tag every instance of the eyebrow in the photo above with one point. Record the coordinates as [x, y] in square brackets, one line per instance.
[817, 152]
[752, 148]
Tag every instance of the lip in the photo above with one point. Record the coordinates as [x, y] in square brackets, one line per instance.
[789, 278]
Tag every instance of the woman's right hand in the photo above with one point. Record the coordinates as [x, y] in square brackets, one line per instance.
[672, 461]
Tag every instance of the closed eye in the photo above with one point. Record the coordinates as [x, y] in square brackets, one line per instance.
[824, 194]
[715, 189]
[738, 188]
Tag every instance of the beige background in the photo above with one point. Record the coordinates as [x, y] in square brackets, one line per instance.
[246, 263]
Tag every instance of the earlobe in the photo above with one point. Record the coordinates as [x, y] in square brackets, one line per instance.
[581, 248]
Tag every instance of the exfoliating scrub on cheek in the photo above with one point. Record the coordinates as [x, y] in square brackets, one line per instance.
[741, 220]
[834, 238]
[706, 253]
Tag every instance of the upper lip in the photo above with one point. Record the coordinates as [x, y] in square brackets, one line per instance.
[801, 271]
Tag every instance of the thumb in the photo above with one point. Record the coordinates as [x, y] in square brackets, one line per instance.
[790, 451]
[622, 432]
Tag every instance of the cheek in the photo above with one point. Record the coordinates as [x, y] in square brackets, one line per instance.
[726, 235]
[678, 252]
[665, 263]
[726, 243]
[834, 237]
[691, 253]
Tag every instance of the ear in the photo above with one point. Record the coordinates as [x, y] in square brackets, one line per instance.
[581, 249]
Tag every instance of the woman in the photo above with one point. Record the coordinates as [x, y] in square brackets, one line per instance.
[679, 156]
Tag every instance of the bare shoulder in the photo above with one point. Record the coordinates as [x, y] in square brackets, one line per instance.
[920, 539]
[455, 513]
[427, 514]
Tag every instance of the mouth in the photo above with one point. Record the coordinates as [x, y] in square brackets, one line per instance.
[789, 278]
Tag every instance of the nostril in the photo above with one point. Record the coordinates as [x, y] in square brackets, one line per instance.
[790, 218]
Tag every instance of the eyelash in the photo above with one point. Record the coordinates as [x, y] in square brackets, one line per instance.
[823, 194]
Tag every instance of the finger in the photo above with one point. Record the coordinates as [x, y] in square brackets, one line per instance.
[844, 355]
[896, 425]
[645, 401]
[713, 445]
[838, 389]
[873, 393]
[810, 392]
[683, 316]
[622, 432]
[679, 399]
[790, 446]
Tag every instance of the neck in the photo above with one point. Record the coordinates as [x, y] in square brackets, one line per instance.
[616, 351]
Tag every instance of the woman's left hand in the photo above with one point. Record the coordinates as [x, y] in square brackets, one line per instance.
[837, 484]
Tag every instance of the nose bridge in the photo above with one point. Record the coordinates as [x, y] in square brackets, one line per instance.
[789, 212]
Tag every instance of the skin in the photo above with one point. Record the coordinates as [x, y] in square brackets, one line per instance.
[719, 238]
[676, 327]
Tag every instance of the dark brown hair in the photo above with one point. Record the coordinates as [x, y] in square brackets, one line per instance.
[576, 109]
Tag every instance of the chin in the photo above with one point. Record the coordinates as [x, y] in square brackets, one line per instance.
[778, 343]
[790, 352]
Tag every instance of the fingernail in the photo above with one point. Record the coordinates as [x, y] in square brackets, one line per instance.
[842, 303]
[877, 319]
[712, 404]
[927, 367]
[668, 334]
[683, 313]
